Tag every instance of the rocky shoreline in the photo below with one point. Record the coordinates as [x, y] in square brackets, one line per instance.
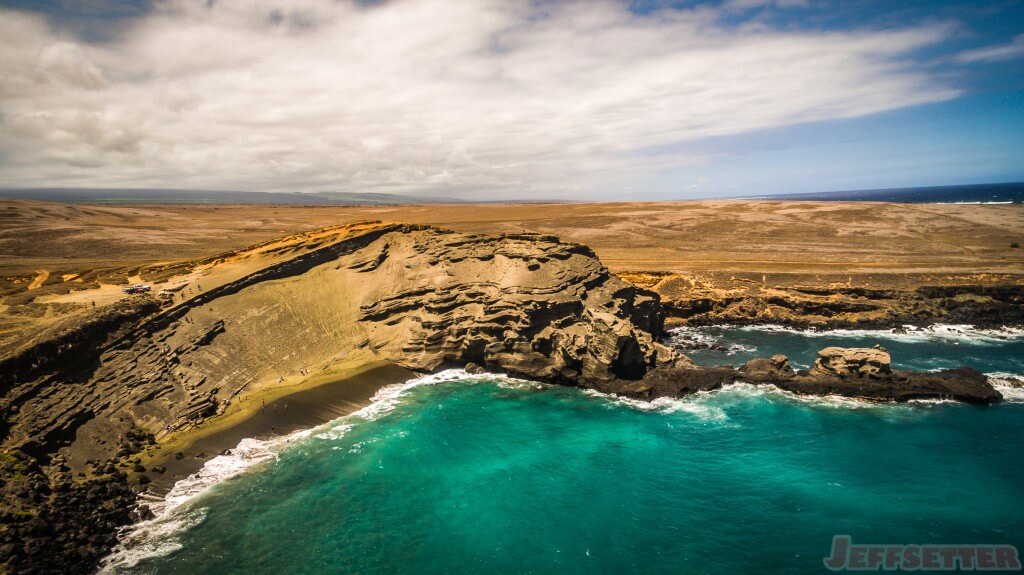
[864, 374]
[985, 301]
[80, 404]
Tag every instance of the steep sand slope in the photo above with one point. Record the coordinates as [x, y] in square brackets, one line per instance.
[419, 297]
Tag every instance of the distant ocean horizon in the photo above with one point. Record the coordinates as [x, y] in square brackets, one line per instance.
[1003, 193]
[1000, 193]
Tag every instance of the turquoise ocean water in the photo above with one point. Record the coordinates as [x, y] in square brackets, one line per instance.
[489, 475]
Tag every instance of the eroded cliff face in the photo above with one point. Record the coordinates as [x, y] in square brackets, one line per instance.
[832, 301]
[421, 297]
[526, 305]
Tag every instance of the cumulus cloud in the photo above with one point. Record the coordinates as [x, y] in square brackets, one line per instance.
[481, 98]
[1014, 49]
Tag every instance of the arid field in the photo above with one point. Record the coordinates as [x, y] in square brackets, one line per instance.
[680, 237]
[54, 256]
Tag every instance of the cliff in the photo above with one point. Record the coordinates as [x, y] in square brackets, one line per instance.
[421, 297]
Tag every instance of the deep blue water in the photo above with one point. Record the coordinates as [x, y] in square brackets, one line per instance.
[492, 476]
[981, 193]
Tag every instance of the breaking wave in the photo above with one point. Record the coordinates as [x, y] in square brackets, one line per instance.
[175, 513]
[938, 332]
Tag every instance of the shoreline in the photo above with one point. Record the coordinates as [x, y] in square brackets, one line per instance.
[937, 329]
[313, 402]
[351, 390]
[897, 323]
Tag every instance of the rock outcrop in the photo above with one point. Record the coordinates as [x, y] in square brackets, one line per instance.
[526, 305]
[867, 374]
[831, 302]
[963, 384]
[421, 297]
[872, 363]
[762, 369]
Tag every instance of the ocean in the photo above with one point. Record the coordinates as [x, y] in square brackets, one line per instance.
[455, 473]
[1001, 193]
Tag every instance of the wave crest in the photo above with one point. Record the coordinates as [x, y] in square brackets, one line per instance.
[961, 333]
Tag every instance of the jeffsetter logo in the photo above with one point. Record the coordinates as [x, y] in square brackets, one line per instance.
[849, 557]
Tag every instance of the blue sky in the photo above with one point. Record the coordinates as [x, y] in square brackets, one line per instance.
[489, 100]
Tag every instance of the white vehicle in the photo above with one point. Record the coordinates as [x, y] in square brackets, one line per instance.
[136, 288]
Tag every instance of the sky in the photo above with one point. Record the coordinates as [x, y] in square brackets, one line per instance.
[510, 99]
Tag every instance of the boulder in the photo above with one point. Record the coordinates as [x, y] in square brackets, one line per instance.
[768, 369]
[843, 362]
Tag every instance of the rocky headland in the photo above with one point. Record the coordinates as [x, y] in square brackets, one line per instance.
[829, 302]
[80, 402]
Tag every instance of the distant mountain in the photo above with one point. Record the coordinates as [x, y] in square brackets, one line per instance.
[165, 196]
[978, 193]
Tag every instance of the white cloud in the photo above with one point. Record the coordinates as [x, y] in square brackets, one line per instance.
[505, 98]
[1014, 49]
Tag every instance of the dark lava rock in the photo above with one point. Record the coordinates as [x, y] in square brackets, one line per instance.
[64, 528]
[760, 368]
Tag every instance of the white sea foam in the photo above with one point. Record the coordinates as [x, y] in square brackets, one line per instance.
[696, 338]
[743, 389]
[938, 332]
[1009, 384]
[692, 405]
[172, 514]
[711, 405]
[965, 203]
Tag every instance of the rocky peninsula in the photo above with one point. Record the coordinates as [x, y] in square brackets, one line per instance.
[81, 401]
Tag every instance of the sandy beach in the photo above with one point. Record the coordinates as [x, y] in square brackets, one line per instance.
[267, 413]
